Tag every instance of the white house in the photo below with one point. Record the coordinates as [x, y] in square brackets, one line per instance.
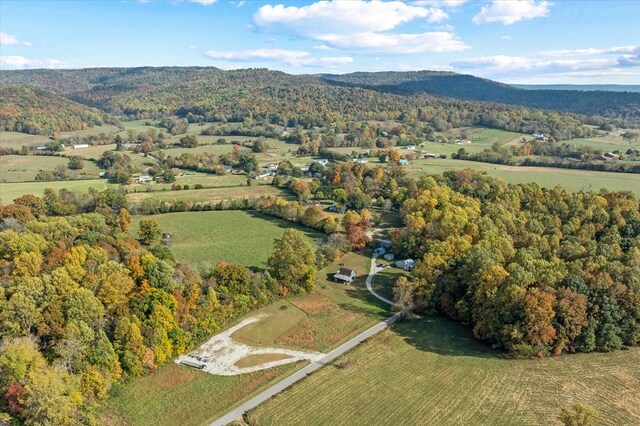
[403, 162]
[271, 166]
[406, 264]
[322, 161]
[431, 155]
[142, 179]
[359, 161]
[344, 275]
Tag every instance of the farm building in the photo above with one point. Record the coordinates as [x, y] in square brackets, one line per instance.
[389, 256]
[406, 264]
[81, 145]
[142, 179]
[322, 161]
[271, 166]
[344, 275]
[403, 162]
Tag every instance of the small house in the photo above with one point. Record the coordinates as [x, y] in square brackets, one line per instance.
[322, 161]
[539, 136]
[271, 166]
[410, 147]
[406, 264]
[142, 179]
[344, 276]
[389, 256]
[403, 162]
[359, 161]
[384, 243]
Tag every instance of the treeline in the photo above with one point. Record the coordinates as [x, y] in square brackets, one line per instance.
[84, 305]
[531, 270]
[32, 110]
[259, 96]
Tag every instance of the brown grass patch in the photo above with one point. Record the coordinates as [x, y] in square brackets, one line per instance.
[317, 307]
[304, 334]
[177, 376]
[253, 360]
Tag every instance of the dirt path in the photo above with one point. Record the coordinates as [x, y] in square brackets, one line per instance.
[220, 353]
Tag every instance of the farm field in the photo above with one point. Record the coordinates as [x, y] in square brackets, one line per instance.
[208, 194]
[180, 396]
[16, 140]
[204, 238]
[191, 179]
[549, 177]
[431, 371]
[93, 151]
[23, 168]
[11, 191]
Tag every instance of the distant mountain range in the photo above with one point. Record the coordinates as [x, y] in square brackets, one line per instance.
[462, 86]
[212, 94]
[635, 88]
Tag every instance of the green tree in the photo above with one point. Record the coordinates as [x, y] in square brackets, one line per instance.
[76, 162]
[578, 415]
[149, 231]
[293, 261]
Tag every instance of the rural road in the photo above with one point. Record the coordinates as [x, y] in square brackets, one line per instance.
[239, 411]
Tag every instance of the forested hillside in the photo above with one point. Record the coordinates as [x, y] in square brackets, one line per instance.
[260, 95]
[37, 111]
[608, 104]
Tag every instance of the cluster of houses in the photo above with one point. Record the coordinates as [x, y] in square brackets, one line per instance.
[346, 276]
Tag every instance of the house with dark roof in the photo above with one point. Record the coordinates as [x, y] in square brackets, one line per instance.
[344, 276]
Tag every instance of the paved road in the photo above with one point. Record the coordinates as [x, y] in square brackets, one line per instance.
[315, 365]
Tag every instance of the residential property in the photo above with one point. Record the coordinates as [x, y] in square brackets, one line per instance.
[384, 243]
[406, 264]
[389, 256]
[344, 276]
[410, 147]
[322, 161]
[359, 161]
[380, 251]
[142, 179]
[271, 166]
[539, 136]
[403, 162]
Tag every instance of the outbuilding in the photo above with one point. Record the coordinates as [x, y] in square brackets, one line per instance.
[406, 264]
[344, 276]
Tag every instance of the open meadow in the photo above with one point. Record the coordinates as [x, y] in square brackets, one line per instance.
[208, 194]
[549, 177]
[204, 238]
[23, 168]
[11, 191]
[431, 371]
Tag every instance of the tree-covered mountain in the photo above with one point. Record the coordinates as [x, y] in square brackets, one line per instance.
[273, 97]
[33, 110]
[462, 86]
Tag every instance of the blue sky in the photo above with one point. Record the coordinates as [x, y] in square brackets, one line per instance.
[518, 41]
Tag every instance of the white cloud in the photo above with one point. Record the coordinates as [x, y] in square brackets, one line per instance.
[395, 43]
[8, 40]
[294, 58]
[440, 3]
[361, 26]
[203, 2]
[592, 51]
[20, 62]
[342, 17]
[506, 37]
[509, 12]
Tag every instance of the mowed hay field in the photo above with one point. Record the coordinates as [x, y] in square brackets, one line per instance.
[207, 194]
[204, 238]
[548, 177]
[431, 371]
[181, 396]
[24, 168]
[11, 191]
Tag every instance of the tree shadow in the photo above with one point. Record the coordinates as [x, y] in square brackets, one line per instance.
[443, 336]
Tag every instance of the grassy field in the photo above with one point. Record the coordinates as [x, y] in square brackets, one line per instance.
[203, 238]
[10, 191]
[17, 140]
[177, 395]
[208, 194]
[549, 177]
[93, 151]
[24, 168]
[431, 371]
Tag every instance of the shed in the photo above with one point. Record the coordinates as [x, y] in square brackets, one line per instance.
[406, 264]
[344, 275]
[389, 256]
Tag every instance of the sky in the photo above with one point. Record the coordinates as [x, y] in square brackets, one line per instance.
[514, 41]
